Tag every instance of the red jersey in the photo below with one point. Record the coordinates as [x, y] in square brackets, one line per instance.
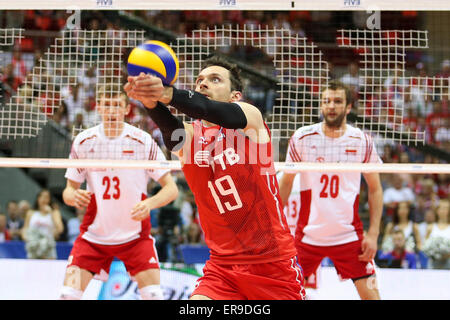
[234, 184]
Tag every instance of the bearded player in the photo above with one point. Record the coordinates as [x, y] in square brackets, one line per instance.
[328, 223]
[226, 157]
[117, 218]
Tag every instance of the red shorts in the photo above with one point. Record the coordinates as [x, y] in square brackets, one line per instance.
[278, 280]
[344, 258]
[137, 255]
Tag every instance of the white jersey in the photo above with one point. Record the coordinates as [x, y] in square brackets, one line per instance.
[115, 191]
[329, 200]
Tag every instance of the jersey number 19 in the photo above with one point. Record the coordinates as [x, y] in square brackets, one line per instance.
[231, 190]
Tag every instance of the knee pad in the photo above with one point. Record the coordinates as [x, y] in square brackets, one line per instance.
[69, 293]
[153, 292]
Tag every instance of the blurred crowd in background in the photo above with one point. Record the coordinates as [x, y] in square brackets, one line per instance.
[416, 206]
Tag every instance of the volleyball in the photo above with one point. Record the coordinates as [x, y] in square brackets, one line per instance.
[156, 58]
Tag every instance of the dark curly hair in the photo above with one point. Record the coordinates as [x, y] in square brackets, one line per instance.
[235, 73]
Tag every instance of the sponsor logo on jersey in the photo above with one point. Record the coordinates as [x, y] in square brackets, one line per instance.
[201, 158]
[351, 151]
[152, 260]
[128, 152]
[202, 140]
[320, 159]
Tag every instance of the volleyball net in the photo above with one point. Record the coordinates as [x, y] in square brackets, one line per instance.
[287, 59]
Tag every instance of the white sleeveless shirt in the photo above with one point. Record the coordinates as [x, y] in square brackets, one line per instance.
[43, 222]
[436, 232]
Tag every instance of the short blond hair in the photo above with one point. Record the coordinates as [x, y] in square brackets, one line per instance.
[112, 89]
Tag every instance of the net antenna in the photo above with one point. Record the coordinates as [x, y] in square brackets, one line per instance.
[300, 70]
[383, 59]
[62, 66]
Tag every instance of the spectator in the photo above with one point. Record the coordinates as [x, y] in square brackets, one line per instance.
[395, 85]
[78, 124]
[445, 69]
[169, 234]
[420, 91]
[399, 257]
[75, 101]
[90, 116]
[427, 190]
[194, 233]
[443, 185]
[442, 134]
[19, 69]
[15, 221]
[4, 234]
[11, 208]
[24, 207]
[437, 243]
[61, 117]
[73, 225]
[429, 221]
[89, 82]
[353, 80]
[7, 80]
[435, 120]
[419, 209]
[395, 194]
[402, 220]
[187, 208]
[43, 225]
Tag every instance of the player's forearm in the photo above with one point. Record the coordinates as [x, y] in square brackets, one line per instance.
[167, 194]
[69, 196]
[171, 127]
[286, 187]
[198, 106]
[375, 210]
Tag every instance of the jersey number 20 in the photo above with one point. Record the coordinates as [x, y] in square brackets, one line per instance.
[330, 186]
[231, 190]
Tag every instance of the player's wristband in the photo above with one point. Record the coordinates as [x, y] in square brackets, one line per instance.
[171, 127]
[198, 106]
